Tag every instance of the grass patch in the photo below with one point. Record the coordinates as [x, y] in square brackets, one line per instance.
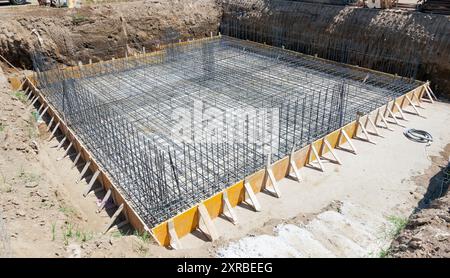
[77, 19]
[20, 95]
[69, 232]
[2, 127]
[28, 177]
[398, 223]
[145, 236]
[384, 253]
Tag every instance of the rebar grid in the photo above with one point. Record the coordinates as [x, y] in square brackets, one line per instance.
[288, 23]
[242, 102]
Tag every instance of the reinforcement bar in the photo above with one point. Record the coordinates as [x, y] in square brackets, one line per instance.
[187, 221]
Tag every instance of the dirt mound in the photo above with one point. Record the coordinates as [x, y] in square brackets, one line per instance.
[427, 233]
[101, 31]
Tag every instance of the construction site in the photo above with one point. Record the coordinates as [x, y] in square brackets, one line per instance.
[225, 128]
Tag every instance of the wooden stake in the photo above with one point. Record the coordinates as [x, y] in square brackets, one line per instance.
[343, 133]
[34, 100]
[418, 100]
[76, 160]
[40, 107]
[113, 219]
[104, 200]
[61, 143]
[431, 91]
[50, 124]
[400, 111]
[270, 176]
[412, 104]
[369, 121]
[328, 145]
[251, 195]
[53, 132]
[227, 207]
[43, 112]
[86, 167]
[364, 131]
[316, 154]
[383, 119]
[293, 166]
[65, 152]
[430, 98]
[91, 183]
[391, 114]
[174, 241]
[204, 216]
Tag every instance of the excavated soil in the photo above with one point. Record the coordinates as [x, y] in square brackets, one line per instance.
[100, 31]
[427, 233]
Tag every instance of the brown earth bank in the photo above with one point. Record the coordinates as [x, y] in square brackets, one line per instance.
[407, 43]
[403, 42]
[100, 31]
[427, 232]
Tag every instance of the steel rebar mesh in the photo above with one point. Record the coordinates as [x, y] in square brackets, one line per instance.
[282, 23]
[174, 127]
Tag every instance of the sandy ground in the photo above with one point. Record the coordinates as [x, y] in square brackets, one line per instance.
[43, 213]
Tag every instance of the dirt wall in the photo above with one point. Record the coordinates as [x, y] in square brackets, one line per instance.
[101, 31]
[407, 43]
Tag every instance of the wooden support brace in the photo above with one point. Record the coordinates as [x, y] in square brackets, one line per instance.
[413, 105]
[269, 176]
[40, 107]
[50, 124]
[228, 208]
[364, 131]
[400, 111]
[313, 149]
[34, 100]
[65, 152]
[418, 100]
[91, 183]
[123, 223]
[75, 162]
[61, 143]
[383, 119]
[28, 93]
[251, 196]
[113, 219]
[204, 216]
[369, 121]
[43, 112]
[21, 85]
[389, 111]
[343, 133]
[293, 166]
[86, 167]
[174, 241]
[54, 131]
[430, 98]
[104, 200]
[431, 91]
[328, 145]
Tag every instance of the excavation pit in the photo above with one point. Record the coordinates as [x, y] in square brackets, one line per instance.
[175, 127]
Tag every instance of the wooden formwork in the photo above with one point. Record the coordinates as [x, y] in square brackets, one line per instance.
[180, 225]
